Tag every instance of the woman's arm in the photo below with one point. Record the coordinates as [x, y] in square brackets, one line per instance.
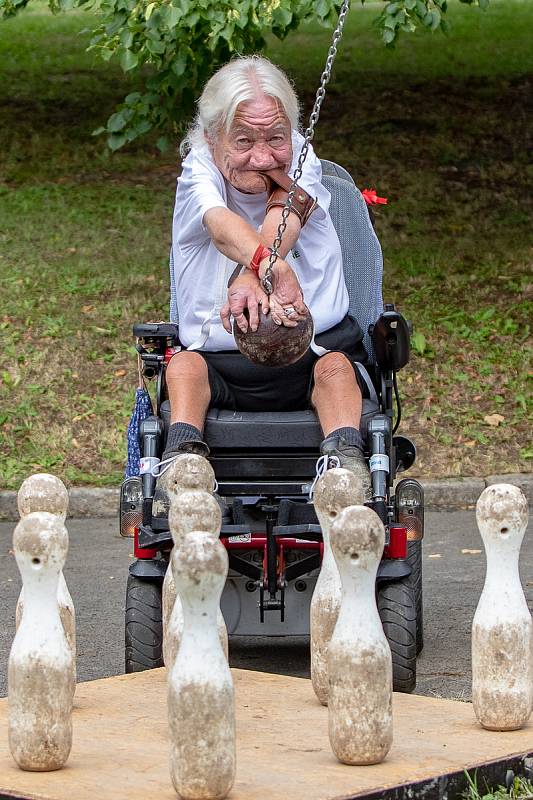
[234, 237]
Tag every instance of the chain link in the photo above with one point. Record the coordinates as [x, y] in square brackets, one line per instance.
[308, 137]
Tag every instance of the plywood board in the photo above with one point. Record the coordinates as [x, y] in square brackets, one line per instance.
[120, 747]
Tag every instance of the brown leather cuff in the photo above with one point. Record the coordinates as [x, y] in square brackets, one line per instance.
[302, 205]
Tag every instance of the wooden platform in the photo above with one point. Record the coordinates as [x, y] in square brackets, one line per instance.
[120, 745]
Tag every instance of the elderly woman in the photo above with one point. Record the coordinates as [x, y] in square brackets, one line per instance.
[227, 213]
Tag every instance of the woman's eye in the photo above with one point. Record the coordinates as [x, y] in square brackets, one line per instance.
[243, 142]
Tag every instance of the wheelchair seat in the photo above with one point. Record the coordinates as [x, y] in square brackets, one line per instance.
[246, 430]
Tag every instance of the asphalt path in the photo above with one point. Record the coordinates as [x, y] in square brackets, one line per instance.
[97, 569]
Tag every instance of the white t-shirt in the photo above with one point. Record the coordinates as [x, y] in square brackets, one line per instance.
[201, 272]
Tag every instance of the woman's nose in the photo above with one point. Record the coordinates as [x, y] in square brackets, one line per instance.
[261, 156]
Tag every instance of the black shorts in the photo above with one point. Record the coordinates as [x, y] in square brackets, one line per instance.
[239, 385]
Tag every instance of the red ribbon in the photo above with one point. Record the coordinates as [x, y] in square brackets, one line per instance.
[372, 199]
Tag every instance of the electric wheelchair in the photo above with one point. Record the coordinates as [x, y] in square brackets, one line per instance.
[271, 531]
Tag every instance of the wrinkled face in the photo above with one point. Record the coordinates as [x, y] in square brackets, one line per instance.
[259, 139]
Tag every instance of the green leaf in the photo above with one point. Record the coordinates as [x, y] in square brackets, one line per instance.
[99, 131]
[172, 16]
[483, 4]
[163, 143]
[388, 36]
[129, 60]
[390, 22]
[179, 65]
[142, 127]
[282, 16]
[117, 121]
[126, 38]
[418, 343]
[391, 8]
[435, 22]
[520, 399]
[156, 46]
[116, 140]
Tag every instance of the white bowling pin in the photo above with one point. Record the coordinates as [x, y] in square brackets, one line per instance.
[359, 659]
[40, 675]
[502, 630]
[45, 492]
[190, 510]
[335, 490]
[187, 471]
[201, 705]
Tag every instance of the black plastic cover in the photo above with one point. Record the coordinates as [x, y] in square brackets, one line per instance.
[153, 330]
[390, 337]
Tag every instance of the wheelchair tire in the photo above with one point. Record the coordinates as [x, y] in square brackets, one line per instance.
[397, 609]
[144, 625]
[414, 557]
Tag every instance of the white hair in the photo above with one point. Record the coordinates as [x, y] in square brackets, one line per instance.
[241, 79]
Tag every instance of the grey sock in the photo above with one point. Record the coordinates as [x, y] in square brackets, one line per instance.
[180, 432]
[351, 436]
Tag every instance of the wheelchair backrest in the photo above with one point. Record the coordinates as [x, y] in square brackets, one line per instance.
[361, 251]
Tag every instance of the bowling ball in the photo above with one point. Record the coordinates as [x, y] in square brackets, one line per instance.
[274, 345]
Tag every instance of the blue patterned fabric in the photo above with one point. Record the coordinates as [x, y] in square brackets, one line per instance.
[142, 409]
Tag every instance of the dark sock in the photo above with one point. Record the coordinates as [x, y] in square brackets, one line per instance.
[180, 432]
[351, 436]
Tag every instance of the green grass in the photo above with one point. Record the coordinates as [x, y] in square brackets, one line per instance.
[439, 126]
[520, 789]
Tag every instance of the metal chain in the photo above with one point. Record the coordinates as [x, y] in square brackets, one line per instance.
[308, 137]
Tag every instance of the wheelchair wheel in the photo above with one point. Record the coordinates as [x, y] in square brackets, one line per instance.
[414, 557]
[397, 609]
[144, 625]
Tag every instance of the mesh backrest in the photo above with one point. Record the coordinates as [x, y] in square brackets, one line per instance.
[173, 298]
[361, 251]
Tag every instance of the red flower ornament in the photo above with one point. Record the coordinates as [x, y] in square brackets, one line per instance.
[371, 198]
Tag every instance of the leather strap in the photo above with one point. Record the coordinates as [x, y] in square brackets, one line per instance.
[261, 253]
[303, 204]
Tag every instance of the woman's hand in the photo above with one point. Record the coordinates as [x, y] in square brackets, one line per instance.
[245, 292]
[286, 301]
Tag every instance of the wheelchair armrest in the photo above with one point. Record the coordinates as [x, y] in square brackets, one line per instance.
[152, 331]
[391, 339]
[153, 340]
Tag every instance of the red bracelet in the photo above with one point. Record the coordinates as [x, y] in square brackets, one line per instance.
[261, 253]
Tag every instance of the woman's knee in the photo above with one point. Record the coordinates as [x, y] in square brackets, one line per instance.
[333, 366]
[186, 364]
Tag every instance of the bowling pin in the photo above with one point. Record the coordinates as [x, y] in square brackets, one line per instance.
[40, 674]
[359, 658]
[336, 489]
[502, 630]
[201, 705]
[190, 510]
[187, 471]
[45, 492]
